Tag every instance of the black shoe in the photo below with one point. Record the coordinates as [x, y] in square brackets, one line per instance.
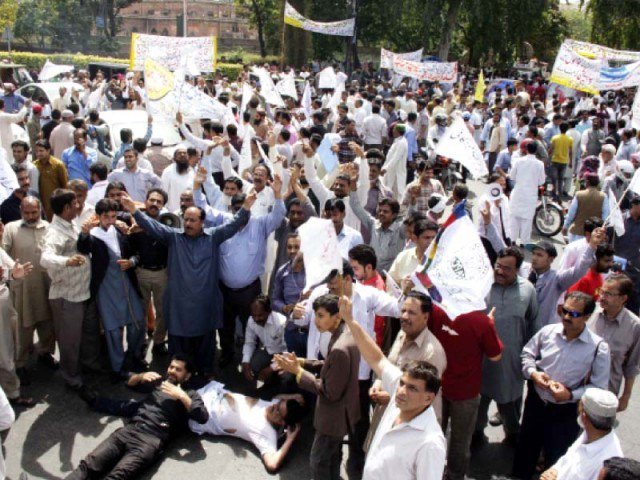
[478, 440]
[495, 420]
[117, 377]
[510, 441]
[24, 376]
[47, 360]
[139, 365]
[160, 349]
[88, 395]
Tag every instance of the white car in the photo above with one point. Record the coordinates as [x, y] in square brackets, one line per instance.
[48, 90]
[137, 121]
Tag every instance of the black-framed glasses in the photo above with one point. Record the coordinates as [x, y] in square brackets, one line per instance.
[572, 313]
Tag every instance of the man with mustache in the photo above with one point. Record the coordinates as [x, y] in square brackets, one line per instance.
[177, 177]
[23, 239]
[155, 420]
[151, 267]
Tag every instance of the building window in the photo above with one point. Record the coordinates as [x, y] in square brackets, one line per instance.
[154, 31]
[234, 28]
[134, 29]
[151, 12]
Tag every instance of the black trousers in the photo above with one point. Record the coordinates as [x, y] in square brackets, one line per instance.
[201, 349]
[126, 453]
[236, 304]
[355, 462]
[546, 427]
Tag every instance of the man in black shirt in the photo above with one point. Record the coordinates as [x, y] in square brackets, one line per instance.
[48, 127]
[151, 267]
[162, 415]
[10, 208]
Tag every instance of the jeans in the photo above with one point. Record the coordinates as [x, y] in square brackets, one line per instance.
[463, 414]
[557, 177]
[296, 340]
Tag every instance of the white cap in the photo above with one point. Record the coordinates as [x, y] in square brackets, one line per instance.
[600, 403]
[67, 113]
[609, 148]
[626, 167]
[440, 206]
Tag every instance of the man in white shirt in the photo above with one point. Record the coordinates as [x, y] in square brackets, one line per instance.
[61, 137]
[597, 443]
[374, 129]
[409, 443]
[265, 328]
[98, 172]
[335, 210]
[7, 417]
[177, 178]
[252, 420]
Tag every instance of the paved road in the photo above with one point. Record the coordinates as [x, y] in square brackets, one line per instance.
[47, 441]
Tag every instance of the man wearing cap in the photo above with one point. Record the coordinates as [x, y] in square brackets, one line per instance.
[551, 283]
[597, 443]
[621, 330]
[560, 362]
[61, 136]
[157, 157]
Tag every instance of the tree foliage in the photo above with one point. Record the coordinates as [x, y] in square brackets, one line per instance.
[8, 11]
[616, 23]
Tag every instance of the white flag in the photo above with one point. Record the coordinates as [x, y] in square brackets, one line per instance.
[287, 86]
[245, 155]
[327, 79]
[247, 93]
[392, 287]
[615, 215]
[306, 99]
[635, 111]
[634, 185]
[267, 87]
[51, 70]
[460, 270]
[319, 246]
[458, 144]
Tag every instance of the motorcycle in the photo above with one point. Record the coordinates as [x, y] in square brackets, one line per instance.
[446, 170]
[549, 217]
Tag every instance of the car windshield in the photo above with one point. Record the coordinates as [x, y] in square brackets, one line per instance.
[167, 132]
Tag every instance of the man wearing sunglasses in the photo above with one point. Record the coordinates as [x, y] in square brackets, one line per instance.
[614, 322]
[561, 361]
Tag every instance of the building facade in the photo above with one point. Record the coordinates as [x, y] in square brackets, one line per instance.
[204, 18]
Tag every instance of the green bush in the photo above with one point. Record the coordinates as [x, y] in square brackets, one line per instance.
[36, 61]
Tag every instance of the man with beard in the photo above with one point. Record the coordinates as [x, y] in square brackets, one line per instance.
[23, 239]
[161, 416]
[177, 177]
[151, 267]
[10, 208]
[193, 301]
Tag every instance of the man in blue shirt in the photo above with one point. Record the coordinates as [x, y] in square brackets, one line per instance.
[503, 162]
[13, 102]
[242, 262]
[192, 302]
[79, 158]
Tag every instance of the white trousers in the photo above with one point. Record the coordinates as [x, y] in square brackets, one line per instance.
[521, 228]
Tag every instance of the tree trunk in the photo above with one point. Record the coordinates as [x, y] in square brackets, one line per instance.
[260, 25]
[447, 29]
[296, 39]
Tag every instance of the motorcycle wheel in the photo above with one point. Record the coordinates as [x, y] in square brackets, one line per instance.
[548, 222]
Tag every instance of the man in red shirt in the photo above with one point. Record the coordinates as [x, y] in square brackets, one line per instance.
[591, 282]
[466, 340]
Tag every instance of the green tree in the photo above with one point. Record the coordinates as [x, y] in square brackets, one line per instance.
[616, 23]
[8, 11]
[263, 15]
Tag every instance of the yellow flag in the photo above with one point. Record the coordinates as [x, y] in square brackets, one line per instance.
[480, 87]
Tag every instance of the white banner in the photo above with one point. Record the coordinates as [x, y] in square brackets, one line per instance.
[168, 93]
[171, 51]
[458, 144]
[306, 99]
[319, 246]
[327, 79]
[592, 50]
[287, 86]
[634, 185]
[344, 28]
[387, 56]
[445, 72]
[51, 70]
[460, 269]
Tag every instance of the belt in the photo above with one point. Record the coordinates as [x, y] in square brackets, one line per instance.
[241, 288]
[154, 268]
[293, 327]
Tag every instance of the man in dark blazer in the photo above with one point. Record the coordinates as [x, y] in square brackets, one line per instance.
[338, 406]
[114, 287]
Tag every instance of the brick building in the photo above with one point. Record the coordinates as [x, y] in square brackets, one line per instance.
[204, 18]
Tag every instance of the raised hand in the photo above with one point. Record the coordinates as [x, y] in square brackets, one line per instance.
[250, 200]
[128, 203]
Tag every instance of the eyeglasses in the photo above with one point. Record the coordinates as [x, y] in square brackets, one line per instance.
[605, 293]
[572, 313]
